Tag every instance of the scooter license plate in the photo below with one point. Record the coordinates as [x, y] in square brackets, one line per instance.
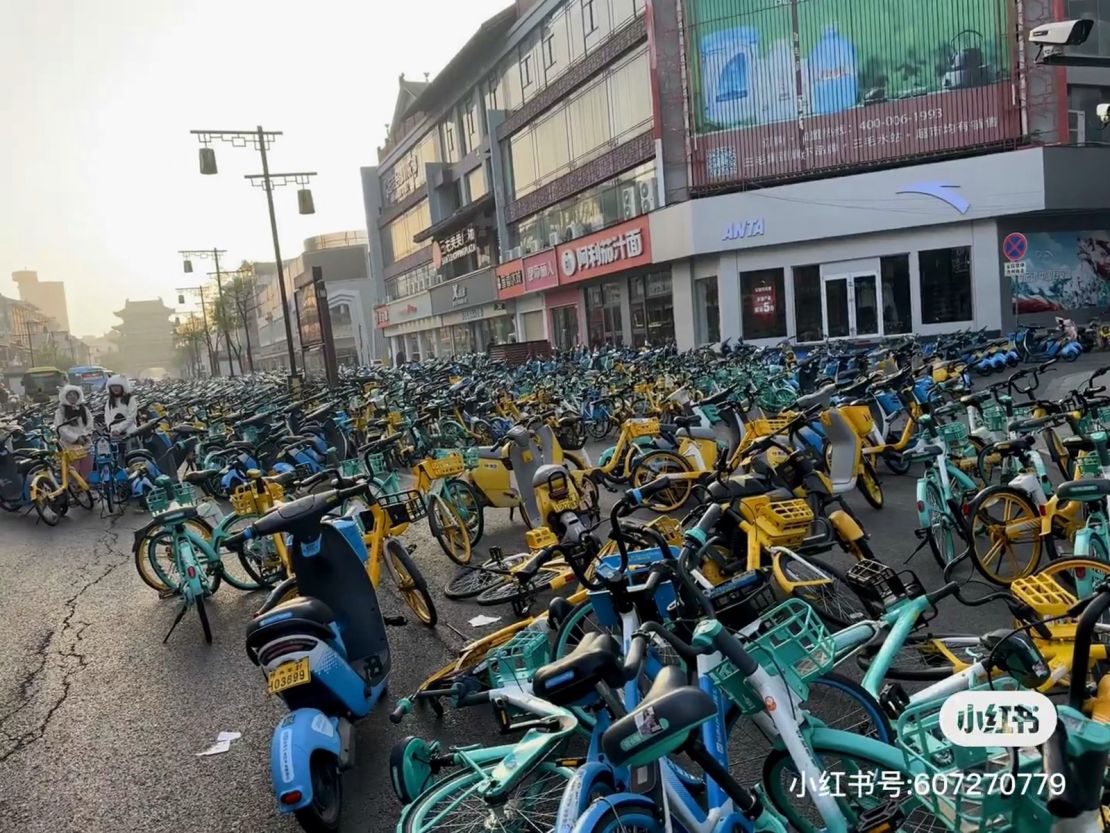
[289, 675]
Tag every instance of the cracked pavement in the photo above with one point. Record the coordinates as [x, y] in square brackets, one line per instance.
[100, 722]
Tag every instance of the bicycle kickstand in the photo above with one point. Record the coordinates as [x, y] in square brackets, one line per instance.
[180, 616]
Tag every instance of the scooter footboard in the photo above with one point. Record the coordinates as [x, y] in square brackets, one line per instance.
[299, 735]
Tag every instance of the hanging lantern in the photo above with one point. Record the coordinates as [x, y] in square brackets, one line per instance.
[207, 161]
[188, 266]
[180, 299]
[304, 202]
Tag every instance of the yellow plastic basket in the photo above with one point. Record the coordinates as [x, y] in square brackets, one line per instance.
[242, 500]
[1043, 594]
[646, 427]
[539, 538]
[72, 455]
[763, 427]
[783, 523]
[449, 465]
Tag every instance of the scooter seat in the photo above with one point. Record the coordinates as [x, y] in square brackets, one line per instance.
[1074, 444]
[484, 453]
[1084, 490]
[699, 433]
[201, 476]
[303, 614]
[185, 428]
[687, 421]
[661, 724]
[740, 486]
[257, 419]
[1014, 446]
[380, 444]
[596, 658]
[25, 464]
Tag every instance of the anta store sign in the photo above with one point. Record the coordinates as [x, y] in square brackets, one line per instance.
[612, 250]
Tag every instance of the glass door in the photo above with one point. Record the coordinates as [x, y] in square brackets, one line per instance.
[851, 305]
[834, 307]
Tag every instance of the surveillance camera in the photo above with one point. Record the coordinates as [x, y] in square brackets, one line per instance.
[1103, 112]
[1062, 33]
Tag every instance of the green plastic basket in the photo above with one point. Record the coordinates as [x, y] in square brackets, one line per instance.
[518, 659]
[217, 429]
[994, 418]
[162, 500]
[793, 642]
[955, 437]
[967, 802]
[470, 458]
[1089, 465]
[350, 468]
[375, 463]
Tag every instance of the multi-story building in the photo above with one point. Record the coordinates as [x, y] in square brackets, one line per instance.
[271, 352]
[22, 327]
[48, 296]
[700, 170]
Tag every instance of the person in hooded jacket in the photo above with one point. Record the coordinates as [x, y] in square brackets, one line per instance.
[74, 423]
[122, 408]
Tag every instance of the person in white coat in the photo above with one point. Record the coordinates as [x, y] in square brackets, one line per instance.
[73, 422]
[122, 408]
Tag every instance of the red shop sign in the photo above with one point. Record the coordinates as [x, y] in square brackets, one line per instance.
[381, 317]
[541, 271]
[612, 250]
[510, 279]
[763, 300]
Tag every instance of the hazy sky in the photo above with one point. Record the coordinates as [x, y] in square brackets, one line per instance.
[99, 173]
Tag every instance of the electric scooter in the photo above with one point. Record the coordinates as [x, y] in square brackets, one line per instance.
[324, 653]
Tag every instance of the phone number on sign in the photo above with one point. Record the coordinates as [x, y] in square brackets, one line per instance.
[978, 784]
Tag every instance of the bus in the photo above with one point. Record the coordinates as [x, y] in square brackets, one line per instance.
[41, 384]
[91, 378]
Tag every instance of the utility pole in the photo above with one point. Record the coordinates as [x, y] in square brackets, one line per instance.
[213, 364]
[268, 187]
[223, 310]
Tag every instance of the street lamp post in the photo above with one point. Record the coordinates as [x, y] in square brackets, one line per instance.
[213, 364]
[261, 140]
[215, 255]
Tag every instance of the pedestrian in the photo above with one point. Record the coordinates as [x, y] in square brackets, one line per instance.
[73, 422]
[122, 408]
[400, 357]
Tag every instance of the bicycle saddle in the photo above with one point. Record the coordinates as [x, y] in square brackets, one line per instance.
[1074, 444]
[257, 419]
[200, 477]
[380, 444]
[661, 724]
[186, 428]
[1015, 446]
[566, 681]
[1084, 491]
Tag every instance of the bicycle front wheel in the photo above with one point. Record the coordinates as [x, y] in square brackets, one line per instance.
[410, 583]
[939, 526]
[50, 502]
[449, 530]
[467, 505]
[455, 805]
[656, 464]
[473, 580]
[782, 784]
[512, 590]
[257, 565]
[824, 587]
[929, 658]
[1006, 534]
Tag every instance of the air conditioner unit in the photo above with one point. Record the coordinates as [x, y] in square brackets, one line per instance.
[515, 253]
[647, 195]
[596, 223]
[530, 247]
[630, 202]
[554, 239]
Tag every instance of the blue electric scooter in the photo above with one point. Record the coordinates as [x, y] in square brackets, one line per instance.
[325, 653]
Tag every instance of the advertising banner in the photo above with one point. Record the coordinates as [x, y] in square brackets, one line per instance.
[1060, 270]
[541, 271]
[788, 88]
[510, 279]
[612, 250]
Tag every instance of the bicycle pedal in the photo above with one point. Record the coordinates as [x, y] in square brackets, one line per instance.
[885, 818]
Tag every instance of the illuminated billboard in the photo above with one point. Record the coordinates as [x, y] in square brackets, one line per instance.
[787, 88]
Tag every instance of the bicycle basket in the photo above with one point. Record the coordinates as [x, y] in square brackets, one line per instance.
[470, 458]
[242, 500]
[449, 465]
[1043, 594]
[161, 500]
[954, 435]
[1089, 465]
[72, 455]
[404, 507]
[644, 427]
[762, 427]
[964, 782]
[375, 463]
[217, 429]
[791, 642]
[994, 418]
[518, 659]
[783, 523]
[350, 468]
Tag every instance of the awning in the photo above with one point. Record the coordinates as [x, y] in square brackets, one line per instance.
[455, 221]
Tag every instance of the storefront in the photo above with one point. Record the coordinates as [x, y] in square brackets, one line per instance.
[470, 313]
[625, 300]
[409, 325]
[873, 255]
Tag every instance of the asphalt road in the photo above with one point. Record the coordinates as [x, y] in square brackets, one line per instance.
[100, 722]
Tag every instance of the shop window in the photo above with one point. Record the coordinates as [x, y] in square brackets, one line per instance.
[652, 309]
[897, 313]
[707, 311]
[532, 323]
[807, 303]
[564, 327]
[945, 285]
[603, 315]
[763, 304]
